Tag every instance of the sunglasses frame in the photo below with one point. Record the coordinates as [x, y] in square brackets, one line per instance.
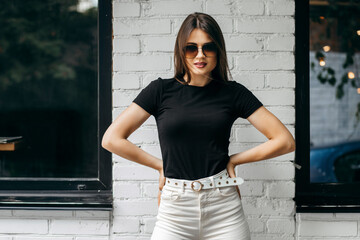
[197, 52]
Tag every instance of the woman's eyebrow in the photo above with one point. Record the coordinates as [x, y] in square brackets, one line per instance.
[192, 43]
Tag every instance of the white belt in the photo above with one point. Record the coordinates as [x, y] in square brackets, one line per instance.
[222, 179]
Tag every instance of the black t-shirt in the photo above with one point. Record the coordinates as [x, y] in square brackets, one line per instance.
[194, 123]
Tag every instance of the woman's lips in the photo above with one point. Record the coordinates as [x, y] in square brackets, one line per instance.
[200, 64]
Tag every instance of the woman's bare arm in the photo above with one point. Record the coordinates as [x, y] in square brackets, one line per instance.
[280, 139]
[115, 137]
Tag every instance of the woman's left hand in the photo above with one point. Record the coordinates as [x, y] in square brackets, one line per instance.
[231, 170]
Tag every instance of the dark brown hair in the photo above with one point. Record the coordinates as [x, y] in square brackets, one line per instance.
[208, 24]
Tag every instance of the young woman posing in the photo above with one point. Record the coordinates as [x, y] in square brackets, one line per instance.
[198, 194]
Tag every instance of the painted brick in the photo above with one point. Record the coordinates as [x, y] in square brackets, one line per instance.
[171, 8]
[6, 238]
[126, 190]
[243, 43]
[40, 238]
[125, 26]
[280, 226]
[5, 213]
[93, 214]
[135, 208]
[160, 44]
[316, 216]
[126, 9]
[144, 136]
[141, 26]
[256, 225]
[251, 188]
[126, 225]
[281, 189]
[79, 227]
[281, 7]
[123, 98]
[16, 225]
[280, 43]
[267, 236]
[151, 190]
[126, 81]
[229, 7]
[126, 237]
[328, 228]
[347, 216]
[138, 172]
[280, 80]
[149, 224]
[92, 238]
[266, 25]
[141, 63]
[262, 206]
[266, 171]
[126, 45]
[265, 61]
[225, 23]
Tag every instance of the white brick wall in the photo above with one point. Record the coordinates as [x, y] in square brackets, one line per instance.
[259, 35]
[54, 225]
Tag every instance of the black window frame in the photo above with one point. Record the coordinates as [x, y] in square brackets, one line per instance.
[75, 193]
[313, 197]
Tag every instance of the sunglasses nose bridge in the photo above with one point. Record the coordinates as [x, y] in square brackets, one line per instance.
[198, 52]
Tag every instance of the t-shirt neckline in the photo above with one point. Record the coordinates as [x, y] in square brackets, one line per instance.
[198, 87]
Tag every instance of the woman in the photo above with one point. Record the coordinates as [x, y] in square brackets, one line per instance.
[194, 111]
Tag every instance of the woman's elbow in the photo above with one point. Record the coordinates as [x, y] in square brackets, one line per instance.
[106, 140]
[291, 144]
[104, 143]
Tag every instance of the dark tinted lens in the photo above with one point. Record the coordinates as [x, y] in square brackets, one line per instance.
[209, 50]
[191, 51]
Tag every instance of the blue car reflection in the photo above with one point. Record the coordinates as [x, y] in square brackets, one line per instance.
[334, 163]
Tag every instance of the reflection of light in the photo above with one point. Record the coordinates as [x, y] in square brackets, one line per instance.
[358, 32]
[84, 5]
[358, 90]
[351, 75]
[322, 17]
[322, 62]
[326, 48]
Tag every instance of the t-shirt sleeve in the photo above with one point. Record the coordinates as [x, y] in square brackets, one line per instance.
[149, 97]
[245, 102]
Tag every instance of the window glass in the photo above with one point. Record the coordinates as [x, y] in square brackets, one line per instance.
[48, 89]
[334, 91]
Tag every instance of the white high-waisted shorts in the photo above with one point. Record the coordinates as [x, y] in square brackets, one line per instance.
[210, 214]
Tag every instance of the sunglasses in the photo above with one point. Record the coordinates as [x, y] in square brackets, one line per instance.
[209, 50]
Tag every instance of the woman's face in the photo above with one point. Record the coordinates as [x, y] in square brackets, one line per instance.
[201, 65]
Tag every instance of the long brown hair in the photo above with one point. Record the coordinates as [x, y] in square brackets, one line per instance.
[208, 24]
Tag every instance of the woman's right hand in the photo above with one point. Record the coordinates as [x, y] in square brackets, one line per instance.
[161, 184]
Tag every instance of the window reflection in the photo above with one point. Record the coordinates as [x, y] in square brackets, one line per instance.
[48, 88]
[334, 91]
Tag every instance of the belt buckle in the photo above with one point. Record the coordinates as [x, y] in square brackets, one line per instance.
[192, 185]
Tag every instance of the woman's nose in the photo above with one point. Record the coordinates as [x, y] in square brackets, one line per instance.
[200, 53]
